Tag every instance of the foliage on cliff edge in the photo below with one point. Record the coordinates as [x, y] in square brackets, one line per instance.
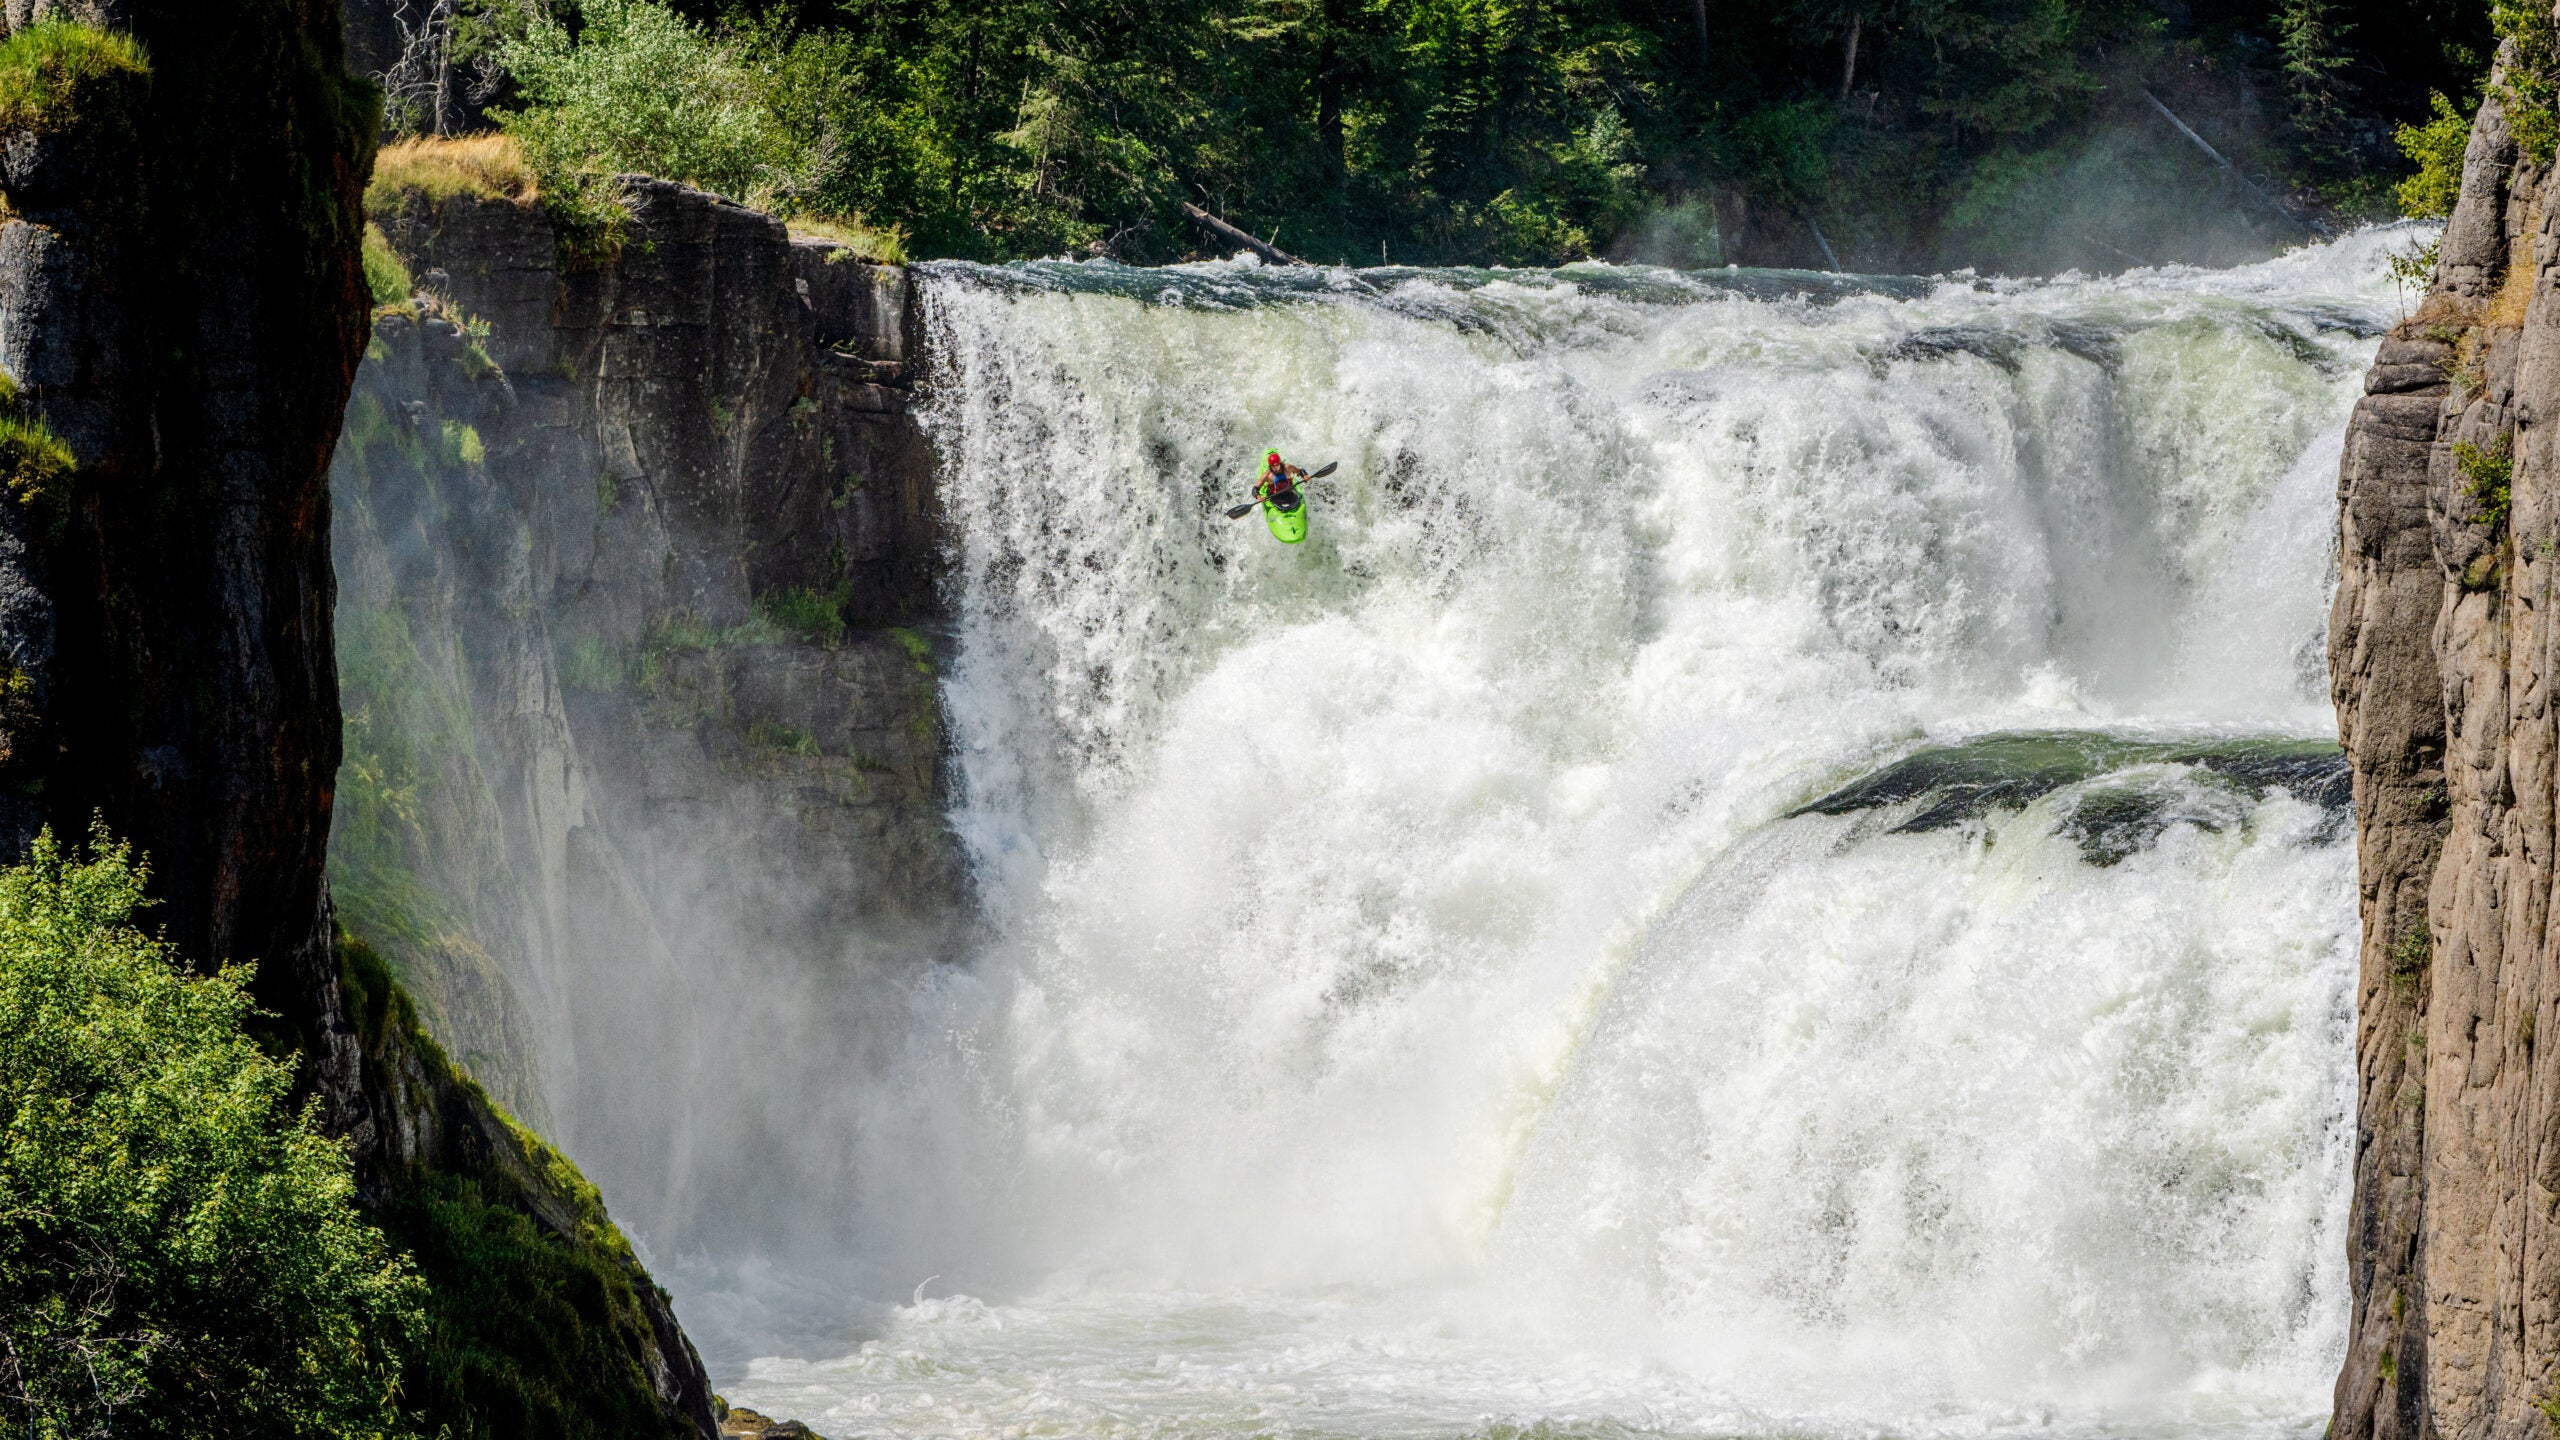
[180, 1249]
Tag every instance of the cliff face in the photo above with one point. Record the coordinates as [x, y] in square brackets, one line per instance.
[188, 331]
[181, 314]
[2443, 646]
[644, 791]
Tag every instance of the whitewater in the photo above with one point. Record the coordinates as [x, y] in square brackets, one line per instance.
[1776, 865]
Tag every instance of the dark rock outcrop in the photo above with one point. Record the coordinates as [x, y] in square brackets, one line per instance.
[182, 309]
[637, 623]
[2443, 645]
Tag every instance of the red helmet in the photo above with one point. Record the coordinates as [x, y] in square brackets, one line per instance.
[1271, 459]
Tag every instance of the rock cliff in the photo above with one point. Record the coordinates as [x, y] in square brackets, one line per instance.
[2444, 643]
[637, 626]
[182, 312]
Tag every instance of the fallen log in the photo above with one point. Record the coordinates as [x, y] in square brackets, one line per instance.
[1272, 254]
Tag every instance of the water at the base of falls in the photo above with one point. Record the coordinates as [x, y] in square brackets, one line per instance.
[1770, 868]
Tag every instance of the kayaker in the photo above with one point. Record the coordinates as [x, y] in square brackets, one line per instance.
[1279, 482]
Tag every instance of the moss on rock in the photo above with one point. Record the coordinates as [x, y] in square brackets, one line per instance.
[540, 1323]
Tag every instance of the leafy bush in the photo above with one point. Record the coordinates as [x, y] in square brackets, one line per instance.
[641, 89]
[2531, 85]
[2436, 148]
[180, 1250]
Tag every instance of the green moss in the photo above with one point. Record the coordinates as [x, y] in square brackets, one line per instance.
[919, 649]
[475, 349]
[2390, 1370]
[589, 664]
[799, 610]
[535, 1324]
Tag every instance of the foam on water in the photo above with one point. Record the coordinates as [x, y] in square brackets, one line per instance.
[1413, 1004]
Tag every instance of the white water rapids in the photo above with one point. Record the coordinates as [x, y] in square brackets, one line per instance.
[1412, 1003]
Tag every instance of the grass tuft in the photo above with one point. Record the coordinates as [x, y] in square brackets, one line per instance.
[487, 166]
[55, 74]
[2488, 478]
[815, 617]
[384, 274]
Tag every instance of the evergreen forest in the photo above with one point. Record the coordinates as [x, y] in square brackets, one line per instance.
[2011, 135]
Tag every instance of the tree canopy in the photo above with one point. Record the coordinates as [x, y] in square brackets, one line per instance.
[1894, 133]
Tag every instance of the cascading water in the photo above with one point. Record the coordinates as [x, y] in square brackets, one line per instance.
[1773, 865]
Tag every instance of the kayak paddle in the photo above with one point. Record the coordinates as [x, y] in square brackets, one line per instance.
[1249, 506]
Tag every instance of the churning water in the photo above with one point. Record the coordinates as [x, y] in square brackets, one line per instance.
[1774, 866]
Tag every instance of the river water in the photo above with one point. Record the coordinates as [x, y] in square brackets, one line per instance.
[1776, 865]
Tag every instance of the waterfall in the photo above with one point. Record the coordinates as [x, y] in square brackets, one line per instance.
[1776, 862]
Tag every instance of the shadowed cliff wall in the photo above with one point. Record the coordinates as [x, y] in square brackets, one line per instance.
[638, 629]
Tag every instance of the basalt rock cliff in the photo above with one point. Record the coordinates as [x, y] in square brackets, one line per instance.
[2444, 648]
[182, 313]
[638, 629]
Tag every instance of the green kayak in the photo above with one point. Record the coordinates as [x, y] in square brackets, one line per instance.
[1287, 526]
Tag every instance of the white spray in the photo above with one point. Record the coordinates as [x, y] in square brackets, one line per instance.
[1411, 1009]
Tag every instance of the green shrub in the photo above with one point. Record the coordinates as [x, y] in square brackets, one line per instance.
[641, 89]
[2410, 955]
[384, 275]
[2488, 478]
[2436, 148]
[57, 75]
[180, 1250]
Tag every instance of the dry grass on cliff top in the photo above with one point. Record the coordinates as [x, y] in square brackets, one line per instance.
[886, 245]
[490, 166]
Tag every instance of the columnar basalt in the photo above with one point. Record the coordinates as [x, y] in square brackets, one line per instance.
[2442, 647]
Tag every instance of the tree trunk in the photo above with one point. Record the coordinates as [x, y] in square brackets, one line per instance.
[1706, 41]
[1849, 57]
